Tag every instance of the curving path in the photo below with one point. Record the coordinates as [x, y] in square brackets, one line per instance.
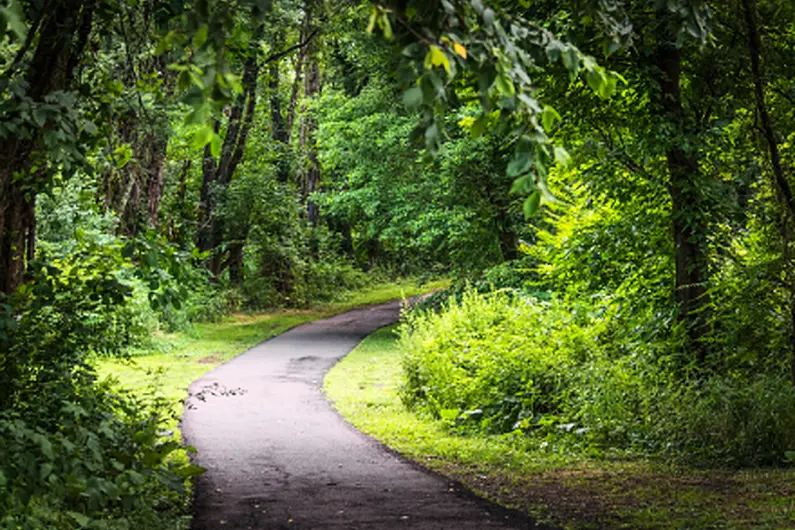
[278, 457]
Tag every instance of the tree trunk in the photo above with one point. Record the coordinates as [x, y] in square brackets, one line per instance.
[689, 231]
[156, 168]
[311, 173]
[62, 35]
[236, 275]
[219, 175]
[206, 199]
[299, 72]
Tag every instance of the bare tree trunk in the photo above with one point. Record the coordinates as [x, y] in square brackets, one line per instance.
[311, 173]
[687, 218]
[299, 72]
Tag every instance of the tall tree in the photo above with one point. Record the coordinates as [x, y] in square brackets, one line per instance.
[60, 38]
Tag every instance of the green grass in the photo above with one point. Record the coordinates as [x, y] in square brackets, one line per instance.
[184, 357]
[561, 490]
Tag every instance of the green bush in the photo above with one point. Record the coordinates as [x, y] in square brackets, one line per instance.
[80, 455]
[74, 453]
[562, 372]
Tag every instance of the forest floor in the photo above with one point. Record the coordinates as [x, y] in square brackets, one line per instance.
[562, 491]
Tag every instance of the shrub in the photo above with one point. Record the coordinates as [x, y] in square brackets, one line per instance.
[569, 373]
[79, 455]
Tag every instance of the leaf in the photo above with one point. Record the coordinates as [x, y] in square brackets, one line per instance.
[79, 518]
[45, 471]
[479, 126]
[595, 79]
[488, 17]
[90, 128]
[522, 160]
[412, 98]
[562, 156]
[549, 117]
[504, 85]
[215, 145]
[571, 60]
[522, 186]
[460, 50]
[437, 57]
[199, 115]
[386, 26]
[190, 470]
[203, 137]
[432, 137]
[14, 18]
[200, 37]
[532, 204]
[39, 116]
[449, 414]
[373, 20]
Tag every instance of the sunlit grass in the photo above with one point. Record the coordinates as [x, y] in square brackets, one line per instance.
[184, 357]
[565, 491]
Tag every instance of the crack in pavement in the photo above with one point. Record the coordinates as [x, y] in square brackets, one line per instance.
[278, 457]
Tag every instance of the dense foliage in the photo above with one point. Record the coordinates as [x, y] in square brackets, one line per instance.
[619, 172]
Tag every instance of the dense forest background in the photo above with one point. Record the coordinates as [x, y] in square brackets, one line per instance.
[609, 183]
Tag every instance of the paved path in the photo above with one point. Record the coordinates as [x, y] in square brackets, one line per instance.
[278, 457]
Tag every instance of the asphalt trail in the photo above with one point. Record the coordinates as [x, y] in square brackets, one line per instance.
[278, 457]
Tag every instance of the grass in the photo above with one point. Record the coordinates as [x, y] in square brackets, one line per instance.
[559, 490]
[189, 355]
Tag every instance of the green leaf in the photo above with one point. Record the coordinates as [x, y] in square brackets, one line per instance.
[373, 20]
[412, 98]
[449, 414]
[13, 17]
[562, 156]
[200, 37]
[505, 85]
[571, 60]
[79, 518]
[488, 17]
[199, 115]
[190, 470]
[479, 126]
[549, 117]
[90, 128]
[386, 26]
[523, 186]
[45, 470]
[522, 160]
[46, 448]
[532, 204]
[215, 145]
[520, 164]
[203, 137]
[437, 57]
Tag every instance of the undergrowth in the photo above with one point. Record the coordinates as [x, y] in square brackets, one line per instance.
[558, 373]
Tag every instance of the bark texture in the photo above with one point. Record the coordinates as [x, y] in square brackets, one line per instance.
[62, 34]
